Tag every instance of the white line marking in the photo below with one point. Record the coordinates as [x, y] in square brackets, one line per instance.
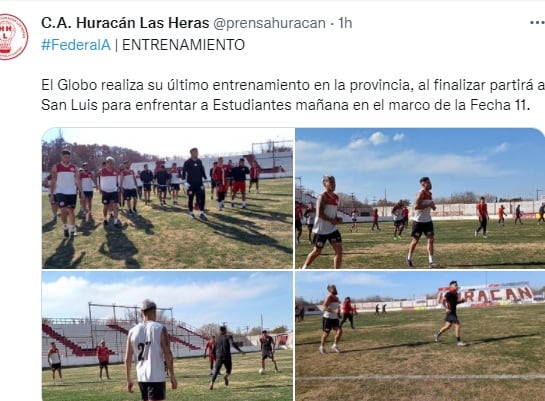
[423, 377]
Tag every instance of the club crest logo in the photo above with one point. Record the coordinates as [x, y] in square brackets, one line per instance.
[13, 36]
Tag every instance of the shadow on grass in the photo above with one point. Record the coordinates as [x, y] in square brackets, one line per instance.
[63, 257]
[87, 227]
[142, 223]
[119, 247]
[49, 226]
[494, 339]
[502, 264]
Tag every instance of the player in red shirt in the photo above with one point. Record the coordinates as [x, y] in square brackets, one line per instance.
[103, 355]
[208, 351]
[482, 213]
[375, 220]
[255, 171]
[298, 222]
[219, 175]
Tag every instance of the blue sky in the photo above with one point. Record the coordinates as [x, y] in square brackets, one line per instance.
[368, 161]
[312, 285]
[167, 142]
[238, 298]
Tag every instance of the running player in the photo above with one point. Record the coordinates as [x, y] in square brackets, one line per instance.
[146, 176]
[309, 215]
[354, 216]
[399, 223]
[375, 220]
[128, 184]
[110, 195]
[325, 225]
[267, 350]
[501, 216]
[221, 182]
[239, 182]
[330, 319]
[222, 351]
[208, 350]
[255, 171]
[65, 183]
[347, 312]
[88, 185]
[175, 181]
[450, 301]
[405, 216]
[162, 177]
[422, 222]
[482, 214]
[541, 213]
[194, 175]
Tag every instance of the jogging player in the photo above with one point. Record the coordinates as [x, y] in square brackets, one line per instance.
[267, 350]
[501, 216]
[330, 319]
[128, 184]
[194, 175]
[399, 223]
[239, 182]
[162, 178]
[222, 350]
[175, 181]
[450, 301]
[146, 176]
[108, 187]
[88, 185]
[482, 214]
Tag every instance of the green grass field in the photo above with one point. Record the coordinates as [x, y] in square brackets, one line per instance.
[395, 357]
[165, 236]
[82, 384]
[509, 247]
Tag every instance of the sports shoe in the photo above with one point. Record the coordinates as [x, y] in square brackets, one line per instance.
[475, 234]
[175, 202]
[276, 371]
[135, 212]
[66, 233]
[335, 348]
[485, 237]
[105, 223]
[395, 238]
[226, 379]
[461, 344]
[211, 387]
[73, 232]
[192, 215]
[297, 241]
[433, 265]
[244, 206]
[436, 337]
[322, 350]
[410, 263]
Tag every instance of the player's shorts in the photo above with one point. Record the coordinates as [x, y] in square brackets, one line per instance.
[161, 188]
[354, 220]
[56, 366]
[267, 354]
[129, 193]
[67, 200]
[254, 180]
[451, 318]
[213, 184]
[88, 194]
[110, 197]
[239, 186]
[103, 364]
[420, 228]
[399, 223]
[319, 240]
[174, 187]
[328, 324]
[147, 187]
[310, 226]
[298, 225]
[153, 390]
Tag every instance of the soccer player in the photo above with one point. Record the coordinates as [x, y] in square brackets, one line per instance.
[162, 177]
[325, 225]
[518, 215]
[298, 222]
[148, 346]
[51, 196]
[128, 184]
[208, 350]
[110, 195]
[221, 182]
[422, 222]
[103, 355]
[399, 223]
[347, 312]
[229, 175]
[541, 213]
[175, 181]
[255, 171]
[375, 220]
[212, 182]
[146, 176]
[267, 350]
[330, 319]
[54, 360]
[239, 182]
[193, 173]
[482, 214]
[377, 309]
[222, 350]
[501, 216]
[405, 216]
[450, 301]
[88, 185]
[354, 216]
[309, 215]
[139, 185]
[65, 183]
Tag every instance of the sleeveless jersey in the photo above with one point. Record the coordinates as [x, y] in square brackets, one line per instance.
[175, 177]
[108, 180]
[333, 304]
[86, 181]
[424, 215]
[145, 339]
[325, 227]
[55, 357]
[128, 180]
[65, 179]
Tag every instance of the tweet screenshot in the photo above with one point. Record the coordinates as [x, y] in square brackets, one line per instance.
[196, 155]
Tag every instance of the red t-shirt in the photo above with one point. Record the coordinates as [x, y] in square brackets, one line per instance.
[482, 210]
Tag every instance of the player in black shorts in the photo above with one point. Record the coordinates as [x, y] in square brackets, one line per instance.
[450, 301]
[267, 350]
[146, 176]
[162, 177]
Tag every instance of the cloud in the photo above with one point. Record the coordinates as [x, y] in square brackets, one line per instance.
[357, 143]
[378, 138]
[398, 137]
[502, 147]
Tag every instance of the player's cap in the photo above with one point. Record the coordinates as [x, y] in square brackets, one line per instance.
[65, 152]
[110, 159]
[147, 305]
[84, 164]
[103, 342]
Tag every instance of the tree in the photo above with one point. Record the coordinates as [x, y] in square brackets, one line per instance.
[279, 329]
[210, 329]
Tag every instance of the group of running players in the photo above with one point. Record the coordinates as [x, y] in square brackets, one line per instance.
[66, 181]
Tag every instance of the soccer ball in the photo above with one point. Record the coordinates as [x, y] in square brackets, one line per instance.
[261, 371]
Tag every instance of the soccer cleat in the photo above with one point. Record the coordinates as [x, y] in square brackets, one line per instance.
[211, 387]
[192, 215]
[322, 350]
[461, 344]
[410, 263]
[335, 348]
[436, 337]
[226, 379]
[395, 238]
[73, 232]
